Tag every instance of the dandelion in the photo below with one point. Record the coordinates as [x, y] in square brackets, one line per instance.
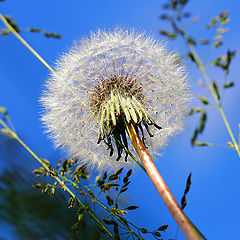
[110, 80]
[115, 91]
[114, 83]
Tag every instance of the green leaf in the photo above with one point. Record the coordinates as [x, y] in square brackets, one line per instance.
[157, 234]
[224, 21]
[129, 173]
[109, 200]
[3, 110]
[218, 37]
[219, 62]
[80, 217]
[132, 207]
[34, 30]
[230, 56]
[174, 4]
[46, 34]
[215, 88]
[52, 35]
[189, 182]
[192, 58]
[108, 186]
[125, 184]
[59, 164]
[220, 19]
[104, 175]
[125, 179]
[224, 14]
[191, 41]
[183, 202]
[119, 171]
[123, 190]
[113, 177]
[97, 178]
[65, 165]
[39, 170]
[217, 44]
[196, 110]
[168, 34]
[163, 228]
[53, 172]
[203, 100]
[222, 30]
[6, 132]
[164, 17]
[187, 15]
[202, 144]
[81, 210]
[202, 121]
[230, 144]
[12, 22]
[71, 202]
[109, 221]
[176, 28]
[46, 162]
[82, 193]
[144, 230]
[204, 41]
[228, 85]
[39, 185]
[91, 193]
[100, 183]
[194, 137]
[187, 188]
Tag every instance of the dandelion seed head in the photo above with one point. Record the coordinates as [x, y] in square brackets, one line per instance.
[106, 81]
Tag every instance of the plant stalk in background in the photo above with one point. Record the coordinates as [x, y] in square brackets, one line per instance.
[176, 14]
[12, 134]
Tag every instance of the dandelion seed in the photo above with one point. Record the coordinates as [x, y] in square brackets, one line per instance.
[106, 81]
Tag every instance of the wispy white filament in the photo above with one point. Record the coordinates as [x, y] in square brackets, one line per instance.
[80, 100]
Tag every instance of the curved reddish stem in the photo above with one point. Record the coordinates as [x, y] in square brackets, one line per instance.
[183, 222]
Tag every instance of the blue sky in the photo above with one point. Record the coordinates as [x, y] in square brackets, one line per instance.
[213, 201]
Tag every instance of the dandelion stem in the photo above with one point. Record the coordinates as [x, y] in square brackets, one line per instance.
[25, 43]
[183, 222]
[132, 156]
[46, 167]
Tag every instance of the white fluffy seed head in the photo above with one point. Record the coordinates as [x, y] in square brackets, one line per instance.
[110, 79]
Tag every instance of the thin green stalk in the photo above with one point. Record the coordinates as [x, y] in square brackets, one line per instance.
[219, 106]
[16, 137]
[37, 55]
[24, 42]
[116, 216]
[105, 208]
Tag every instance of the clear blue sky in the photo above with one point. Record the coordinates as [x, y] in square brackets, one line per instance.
[213, 201]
